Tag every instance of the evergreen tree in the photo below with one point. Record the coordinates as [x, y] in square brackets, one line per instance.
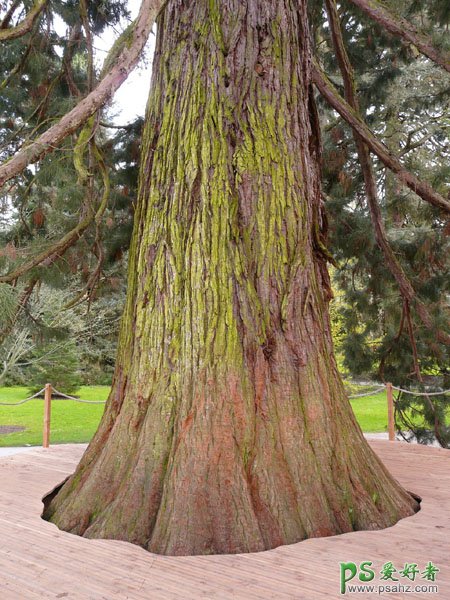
[57, 199]
[404, 98]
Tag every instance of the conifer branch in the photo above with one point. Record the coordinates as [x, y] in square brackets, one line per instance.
[406, 289]
[58, 248]
[49, 255]
[390, 160]
[130, 51]
[19, 66]
[12, 33]
[21, 305]
[9, 14]
[402, 28]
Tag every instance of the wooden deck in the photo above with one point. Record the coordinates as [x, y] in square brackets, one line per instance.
[39, 561]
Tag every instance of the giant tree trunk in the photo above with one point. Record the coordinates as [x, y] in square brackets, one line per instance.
[227, 428]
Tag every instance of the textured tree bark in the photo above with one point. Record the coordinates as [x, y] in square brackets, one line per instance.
[228, 429]
[24, 26]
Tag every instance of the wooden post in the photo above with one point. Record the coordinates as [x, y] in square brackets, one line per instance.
[390, 407]
[47, 415]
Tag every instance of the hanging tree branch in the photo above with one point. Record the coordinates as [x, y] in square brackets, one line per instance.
[21, 304]
[332, 96]
[124, 54]
[402, 28]
[57, 249]
[12, 33]
[9, 14]
[406, 289]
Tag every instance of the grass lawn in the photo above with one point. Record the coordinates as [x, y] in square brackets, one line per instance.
[70, 421]
[76, 422]
[371, 412]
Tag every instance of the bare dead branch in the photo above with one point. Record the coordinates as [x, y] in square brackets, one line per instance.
[402, 28]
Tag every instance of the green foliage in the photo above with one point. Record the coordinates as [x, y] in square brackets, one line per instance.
[8, 303]
[404, 98]
[42, 76]
[55, 365]
[49, 342]
[338, 331]
[425, 418]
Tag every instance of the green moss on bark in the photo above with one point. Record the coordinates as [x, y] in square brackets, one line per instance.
[227, 429]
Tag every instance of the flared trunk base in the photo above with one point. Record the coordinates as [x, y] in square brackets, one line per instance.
[227, 429]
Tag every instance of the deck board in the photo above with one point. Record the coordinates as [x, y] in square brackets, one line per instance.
[37, 561]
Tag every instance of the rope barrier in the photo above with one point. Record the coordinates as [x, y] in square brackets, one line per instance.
[399, 389]
[420, 393]
[372, 393]
[22, 401]
[49, 389]
[365, 394]
[78, 399]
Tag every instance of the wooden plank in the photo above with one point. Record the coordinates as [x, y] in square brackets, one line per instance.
[39, 561]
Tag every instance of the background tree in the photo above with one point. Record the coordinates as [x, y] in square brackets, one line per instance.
[56, 200]
[44, 341]
[405, 99]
